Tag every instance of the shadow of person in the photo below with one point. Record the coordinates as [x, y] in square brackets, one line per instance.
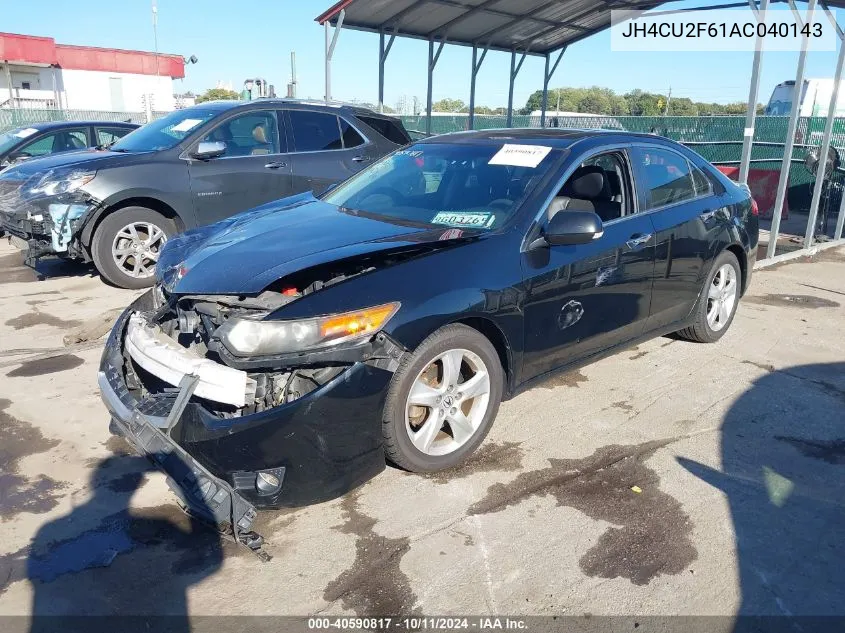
[783, 472]
[103, 559]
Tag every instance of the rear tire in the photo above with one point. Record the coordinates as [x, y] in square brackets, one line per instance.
[718, 302]
[442, 433]
[126, 245]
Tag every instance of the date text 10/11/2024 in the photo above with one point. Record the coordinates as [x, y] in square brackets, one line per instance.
[416, 623]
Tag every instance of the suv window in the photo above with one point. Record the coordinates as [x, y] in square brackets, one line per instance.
[108, 135]
[253, 133]
[390, 130]
[350, 135]
[63, 141]
[667, 177]
[315, 131]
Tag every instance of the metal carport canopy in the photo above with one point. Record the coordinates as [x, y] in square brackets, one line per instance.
[524, 27]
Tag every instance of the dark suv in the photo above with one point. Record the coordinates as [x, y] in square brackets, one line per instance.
[192, 167]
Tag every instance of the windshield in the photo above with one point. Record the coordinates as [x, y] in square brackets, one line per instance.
[780, 102]
[456, 185]
[163, 133]
[12, 137]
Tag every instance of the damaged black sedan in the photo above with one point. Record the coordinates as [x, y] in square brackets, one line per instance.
[285, 353]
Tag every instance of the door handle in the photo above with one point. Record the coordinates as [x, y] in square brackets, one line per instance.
[275, 165]
[360, 159]
[637, 241]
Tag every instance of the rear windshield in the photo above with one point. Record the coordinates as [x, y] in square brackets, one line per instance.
[453, 185]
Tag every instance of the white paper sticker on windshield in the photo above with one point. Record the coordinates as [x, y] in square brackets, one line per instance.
[26, 132]
[520, 155]
[186, 125]
[473, 220]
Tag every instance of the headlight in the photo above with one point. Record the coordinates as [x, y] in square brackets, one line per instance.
[55, 184]
[251, 337]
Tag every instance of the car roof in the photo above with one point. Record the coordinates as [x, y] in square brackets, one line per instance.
[51, 125]
[552, 137]
[304, 104]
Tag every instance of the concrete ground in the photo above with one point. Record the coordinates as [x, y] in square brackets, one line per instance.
[671, 478]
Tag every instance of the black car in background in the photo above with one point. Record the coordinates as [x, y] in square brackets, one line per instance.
[196, 166]
[43, 139]
[311, 338]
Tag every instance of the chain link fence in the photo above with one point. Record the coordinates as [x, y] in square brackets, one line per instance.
[17, 117]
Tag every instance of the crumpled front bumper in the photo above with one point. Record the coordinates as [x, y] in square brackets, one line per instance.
[46, 226]
[325, 443]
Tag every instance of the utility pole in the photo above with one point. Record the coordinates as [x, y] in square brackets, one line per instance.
[292, 84]
[668, 101]
[155, 33]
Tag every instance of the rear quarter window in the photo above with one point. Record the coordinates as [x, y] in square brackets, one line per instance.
[391, 130]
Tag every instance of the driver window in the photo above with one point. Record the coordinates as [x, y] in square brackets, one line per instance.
[600, 184]
[250, 134]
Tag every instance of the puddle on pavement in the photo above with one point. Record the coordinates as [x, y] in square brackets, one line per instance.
[491, 457]
[567, 379]
[42, 366]
[651, 533]
[830, 451]
[118, 445]
[374, 584]
[792, 301]
[19, 493]
[36, 317]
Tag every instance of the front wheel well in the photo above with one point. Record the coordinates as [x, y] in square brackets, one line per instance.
[150, 203]
[495, 335]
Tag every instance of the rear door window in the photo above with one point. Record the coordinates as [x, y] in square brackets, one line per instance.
[315, 131]
[666, 176]
[349, 135]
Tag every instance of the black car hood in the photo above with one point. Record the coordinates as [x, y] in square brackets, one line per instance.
[249, 251]
[84, 159]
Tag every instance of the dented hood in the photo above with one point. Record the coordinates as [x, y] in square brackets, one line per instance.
[247, 252]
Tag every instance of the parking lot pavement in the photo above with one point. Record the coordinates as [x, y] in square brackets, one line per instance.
[671, 478]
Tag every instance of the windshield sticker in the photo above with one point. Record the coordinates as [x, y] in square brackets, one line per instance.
[473, 220]
[450, 234]
[520, 155]
[26, 132]
[186, 125]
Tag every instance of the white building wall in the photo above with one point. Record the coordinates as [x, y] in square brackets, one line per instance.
[114, 92]
[39, 80]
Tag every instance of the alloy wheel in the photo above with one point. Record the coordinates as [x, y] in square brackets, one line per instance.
[721, 297]
[136, 248]
[447, 402]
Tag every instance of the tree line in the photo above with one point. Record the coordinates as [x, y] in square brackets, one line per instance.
[597, 100]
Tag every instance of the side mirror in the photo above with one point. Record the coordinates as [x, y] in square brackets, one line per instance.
[18, 157]
[573, 227]
[207, 150]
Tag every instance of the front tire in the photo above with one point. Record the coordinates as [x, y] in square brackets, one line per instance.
[719, 299]
[127, 244]
[442, 400]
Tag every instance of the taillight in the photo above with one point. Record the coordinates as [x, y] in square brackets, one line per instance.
[755, 210]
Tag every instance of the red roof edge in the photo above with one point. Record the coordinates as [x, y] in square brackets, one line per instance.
[333, 11]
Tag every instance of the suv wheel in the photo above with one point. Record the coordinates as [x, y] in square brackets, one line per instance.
[127, 244]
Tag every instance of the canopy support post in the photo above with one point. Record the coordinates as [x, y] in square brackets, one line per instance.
[432, 62]
[547, 76]
[790, 133]
[330, 45]
[515, 68]
[753, 92]
[476, 66]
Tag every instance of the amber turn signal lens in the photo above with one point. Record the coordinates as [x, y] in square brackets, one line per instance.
[353, 323]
